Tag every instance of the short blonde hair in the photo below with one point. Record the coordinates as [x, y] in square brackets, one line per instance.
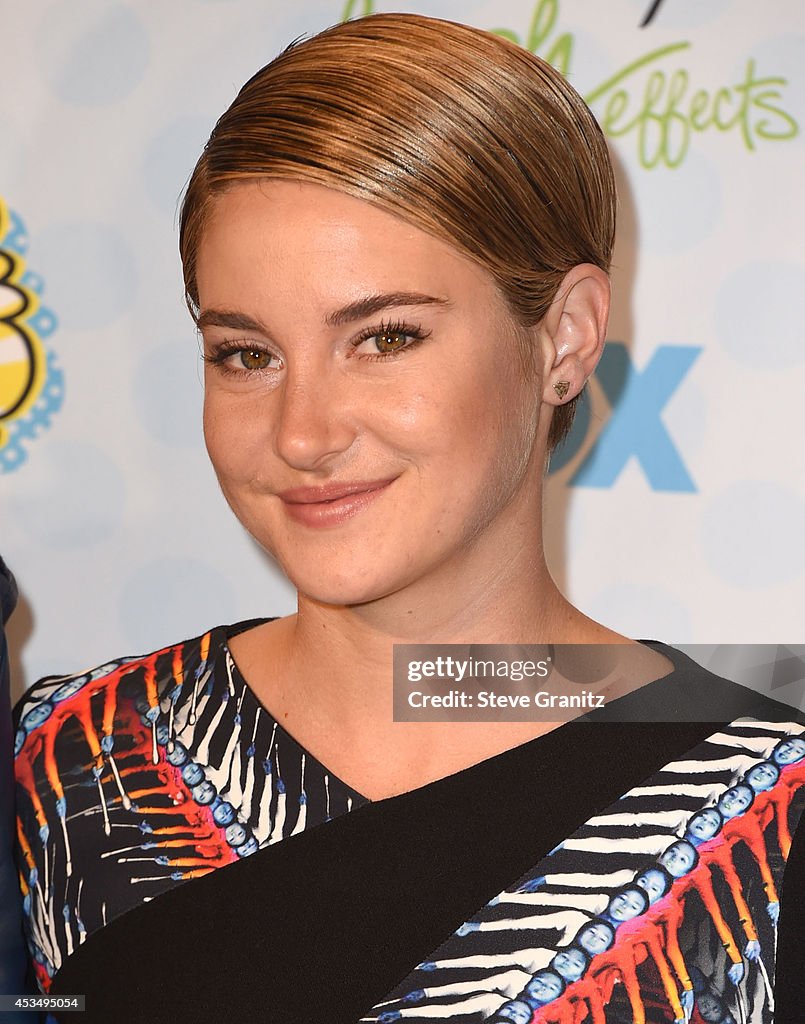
[460, 132]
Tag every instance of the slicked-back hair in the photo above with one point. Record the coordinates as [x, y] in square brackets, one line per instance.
[457, 131]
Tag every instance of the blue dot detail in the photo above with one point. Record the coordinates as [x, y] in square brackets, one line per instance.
[90, 271]
[751, 534]
[168, 394]
[103, 64]
[766, 332]
[86, 487]
[156, 606]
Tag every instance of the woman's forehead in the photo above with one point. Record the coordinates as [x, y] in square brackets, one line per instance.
[271, 236]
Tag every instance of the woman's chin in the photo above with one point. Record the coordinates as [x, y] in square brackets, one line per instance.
[353, 584]
[349, 594]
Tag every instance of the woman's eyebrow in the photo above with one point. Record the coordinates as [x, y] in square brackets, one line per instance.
[375, 303]
[227, 318]
[346, 314]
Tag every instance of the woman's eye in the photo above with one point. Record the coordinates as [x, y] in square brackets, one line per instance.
[385, 342]
[390, 341]
[253, 359]
[244, 359]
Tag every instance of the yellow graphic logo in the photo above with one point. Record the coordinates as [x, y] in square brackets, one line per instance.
[31, 384]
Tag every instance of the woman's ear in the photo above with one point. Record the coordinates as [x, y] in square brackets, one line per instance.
[573, 332]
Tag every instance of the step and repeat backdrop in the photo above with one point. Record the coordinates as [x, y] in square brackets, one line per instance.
[676, 509]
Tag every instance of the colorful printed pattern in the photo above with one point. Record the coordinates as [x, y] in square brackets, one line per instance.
[661, 908]
[150, 771]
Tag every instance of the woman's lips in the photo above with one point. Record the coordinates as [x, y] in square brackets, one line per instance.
[327, 492]
[334, 510]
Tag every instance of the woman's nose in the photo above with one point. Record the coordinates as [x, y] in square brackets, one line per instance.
[316, 418]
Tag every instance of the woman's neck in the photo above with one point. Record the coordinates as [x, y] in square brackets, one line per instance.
[326, 674]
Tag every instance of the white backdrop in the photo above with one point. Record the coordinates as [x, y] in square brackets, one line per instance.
[677, 509]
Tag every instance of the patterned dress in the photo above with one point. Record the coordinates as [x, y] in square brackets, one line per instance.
[182, 857]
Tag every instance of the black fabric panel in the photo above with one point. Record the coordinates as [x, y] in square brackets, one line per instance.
[323, 925]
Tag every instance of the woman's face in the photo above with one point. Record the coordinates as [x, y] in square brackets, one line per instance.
[762, 776]
[300, 395]
[235, 834]
[626, 905]
[570, 963]
[710, 1007]
[178, 755]
[735, 801]
[543, 987]
[37, 715]
[516, 1011]
[705, 824]
[594, 938]
[68, 689]
[678, 859]
[193, 773]
[789, 750]
[653, 882]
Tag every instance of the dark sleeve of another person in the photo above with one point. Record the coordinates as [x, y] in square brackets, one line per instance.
[13, 958]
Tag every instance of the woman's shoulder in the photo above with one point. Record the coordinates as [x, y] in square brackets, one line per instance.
[91, 696]
[91, 764]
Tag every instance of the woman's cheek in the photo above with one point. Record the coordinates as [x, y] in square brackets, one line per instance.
[231, 433]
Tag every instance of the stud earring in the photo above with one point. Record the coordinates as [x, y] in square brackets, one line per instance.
[562, 387]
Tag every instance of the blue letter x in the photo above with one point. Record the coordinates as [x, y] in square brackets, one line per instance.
[635, 427]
